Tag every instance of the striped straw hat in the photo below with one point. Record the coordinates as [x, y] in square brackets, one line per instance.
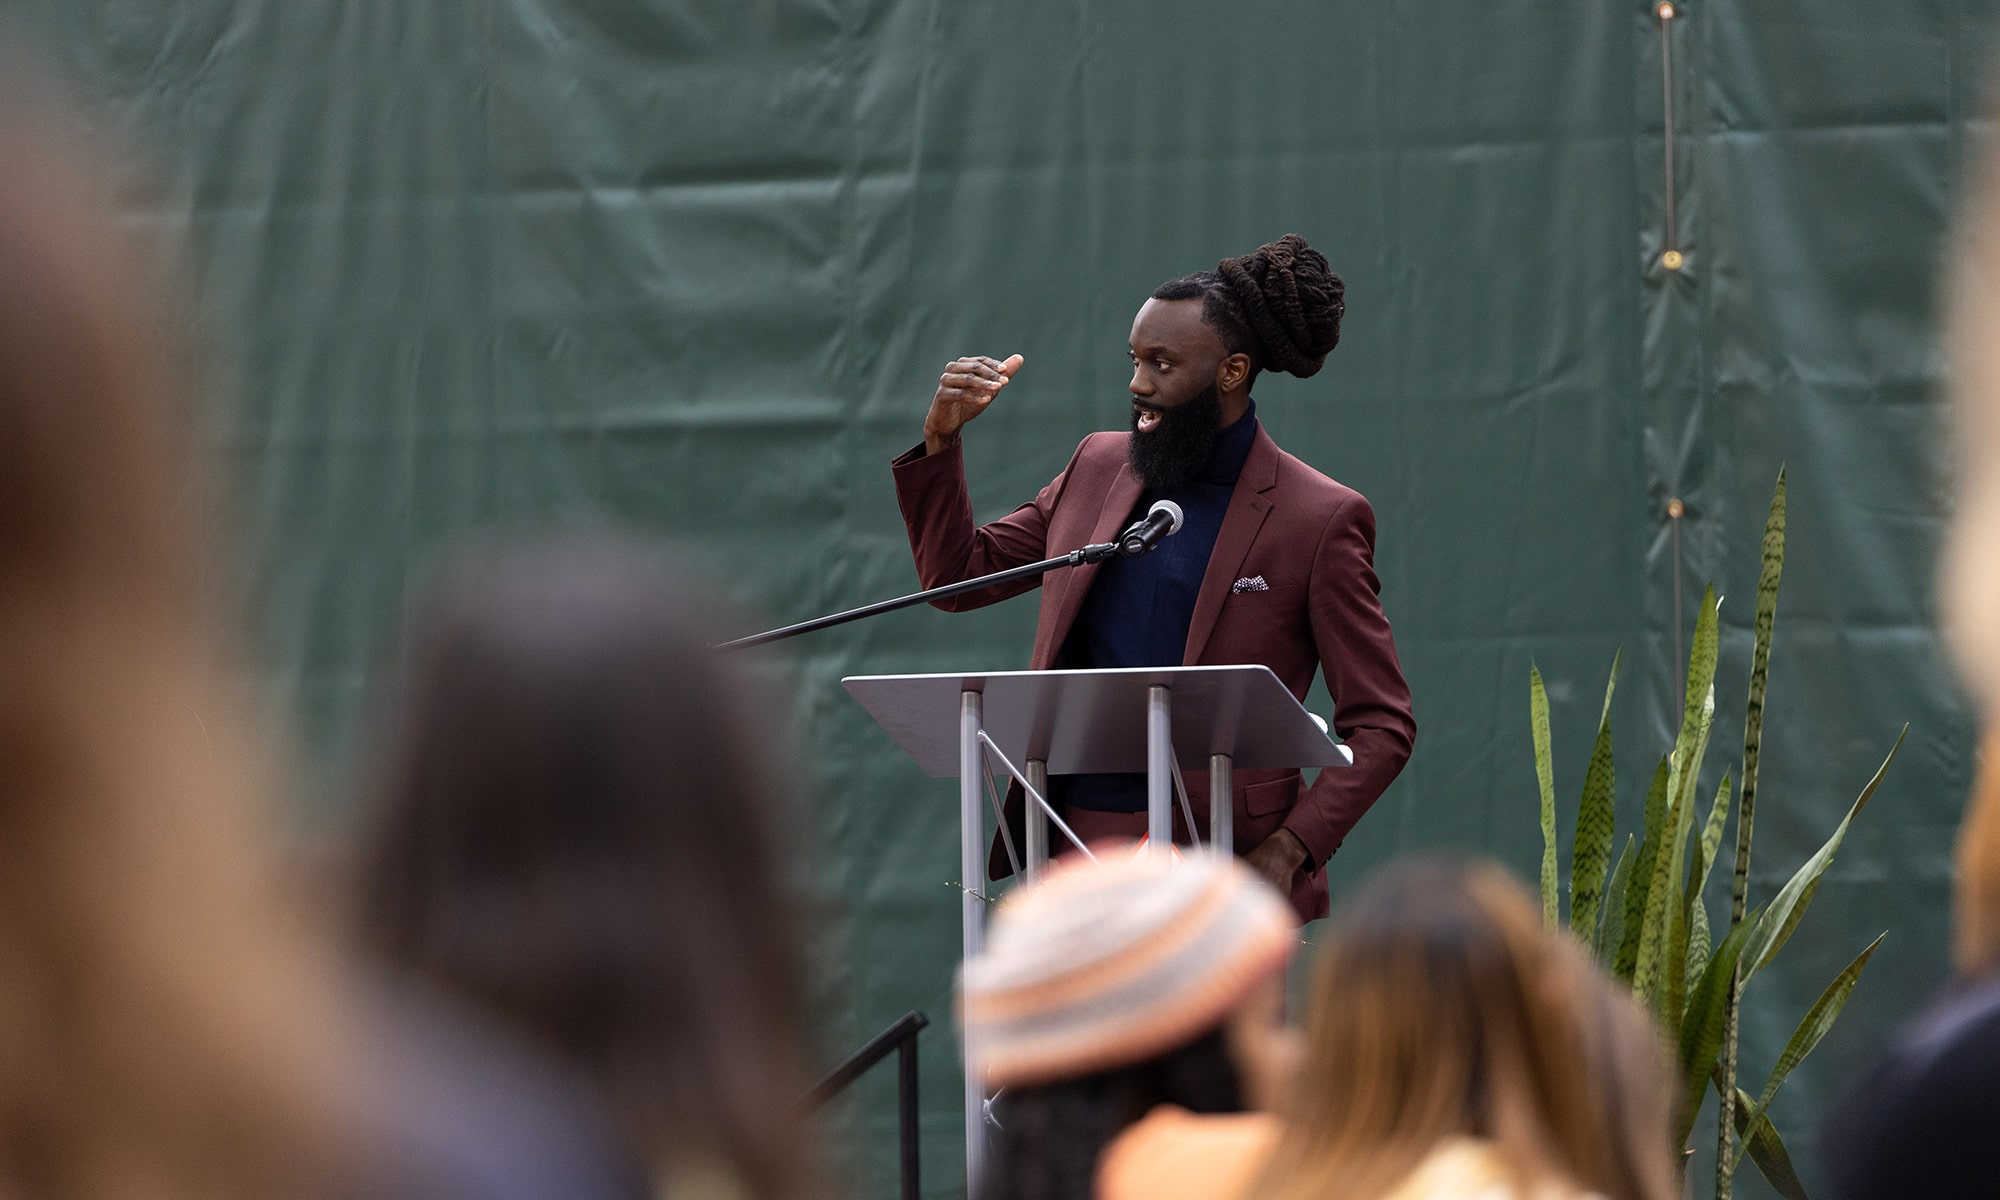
[1108, 963]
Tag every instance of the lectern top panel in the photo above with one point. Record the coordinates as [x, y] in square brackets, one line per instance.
[1091, 721]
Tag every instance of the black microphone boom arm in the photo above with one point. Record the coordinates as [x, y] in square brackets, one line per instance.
[1094, 553]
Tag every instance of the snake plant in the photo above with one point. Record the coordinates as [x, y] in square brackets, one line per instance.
[1643, 914]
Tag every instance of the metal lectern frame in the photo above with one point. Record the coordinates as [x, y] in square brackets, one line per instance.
[1075, 722]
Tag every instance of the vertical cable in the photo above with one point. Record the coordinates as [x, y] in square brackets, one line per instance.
[1672, 259]
[1666, 15]
[1670, 253]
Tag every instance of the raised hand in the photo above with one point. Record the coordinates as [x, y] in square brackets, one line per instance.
[967, 386]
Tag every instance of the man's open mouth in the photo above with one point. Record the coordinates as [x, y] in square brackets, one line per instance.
[1144, 419]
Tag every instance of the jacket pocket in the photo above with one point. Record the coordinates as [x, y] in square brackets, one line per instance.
[1280, 594]
[1276, 795]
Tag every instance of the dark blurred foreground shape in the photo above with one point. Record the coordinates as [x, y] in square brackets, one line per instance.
[169, 1025]
[1455, 1047]
[575, 827]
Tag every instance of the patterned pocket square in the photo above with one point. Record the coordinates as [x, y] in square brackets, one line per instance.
[1254, 583]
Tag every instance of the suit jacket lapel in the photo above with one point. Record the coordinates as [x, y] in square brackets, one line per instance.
[1248, 506]
[1123, 493]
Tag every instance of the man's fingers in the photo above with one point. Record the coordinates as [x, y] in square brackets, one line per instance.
[985, 365]
[960, 380]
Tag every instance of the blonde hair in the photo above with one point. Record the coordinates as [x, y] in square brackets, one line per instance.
[1970, 584]
[1975, 940]
[1442, 1010]
[159, 1017]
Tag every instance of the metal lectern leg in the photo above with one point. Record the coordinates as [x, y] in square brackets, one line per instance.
[1159, 770]
[972, 873]
[1037, 849]
[1221, 805]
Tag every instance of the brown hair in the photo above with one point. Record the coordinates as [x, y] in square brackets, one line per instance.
[159, 1016]
[576, 826]
[1441, 1009]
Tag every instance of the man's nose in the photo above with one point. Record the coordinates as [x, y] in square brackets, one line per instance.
[1139, 386]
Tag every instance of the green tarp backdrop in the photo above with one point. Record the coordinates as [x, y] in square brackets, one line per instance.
[696, 264]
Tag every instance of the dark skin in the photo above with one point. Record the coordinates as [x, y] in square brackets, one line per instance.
[1175, 356]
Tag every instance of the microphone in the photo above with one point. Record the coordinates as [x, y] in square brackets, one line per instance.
[1160, 521]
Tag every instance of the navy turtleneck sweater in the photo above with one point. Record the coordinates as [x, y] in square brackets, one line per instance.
[1138, 611]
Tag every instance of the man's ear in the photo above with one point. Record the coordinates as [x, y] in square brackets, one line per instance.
[1232, 372]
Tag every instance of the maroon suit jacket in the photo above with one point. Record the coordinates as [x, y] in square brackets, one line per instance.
[1310, 538]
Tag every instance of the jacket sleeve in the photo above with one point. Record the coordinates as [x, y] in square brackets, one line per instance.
[949, 546]
[1371, 702]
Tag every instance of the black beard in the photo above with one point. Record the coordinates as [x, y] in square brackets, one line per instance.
[1171, 452]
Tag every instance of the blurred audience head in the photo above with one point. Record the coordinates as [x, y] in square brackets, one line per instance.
[163, 1029]
[576, 827]
[1445, 1019]
[1970, 594]
[1111, 987]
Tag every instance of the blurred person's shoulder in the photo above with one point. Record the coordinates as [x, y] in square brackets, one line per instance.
[462, 1110]
[1921, 1120]
[1173, 1154]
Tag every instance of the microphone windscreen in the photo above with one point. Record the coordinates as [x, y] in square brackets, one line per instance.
[1173, 511]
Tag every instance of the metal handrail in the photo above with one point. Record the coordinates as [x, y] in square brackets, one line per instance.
[900, 1037]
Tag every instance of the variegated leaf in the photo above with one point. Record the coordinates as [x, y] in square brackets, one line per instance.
[1775, 927]
[1590, 853]
[1538, 719]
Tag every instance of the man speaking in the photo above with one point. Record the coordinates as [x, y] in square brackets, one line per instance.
[1273, 564]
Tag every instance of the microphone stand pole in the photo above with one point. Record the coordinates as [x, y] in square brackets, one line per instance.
[1097, 552]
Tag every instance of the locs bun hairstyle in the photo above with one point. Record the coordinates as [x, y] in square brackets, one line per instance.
[1280, 304]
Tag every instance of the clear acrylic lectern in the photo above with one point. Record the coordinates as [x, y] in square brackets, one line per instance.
[1155, 720]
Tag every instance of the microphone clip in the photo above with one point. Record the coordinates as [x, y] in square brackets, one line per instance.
[1161, 521]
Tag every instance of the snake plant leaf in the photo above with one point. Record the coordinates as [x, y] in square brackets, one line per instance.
[1775, 927]
[1812, 1027]
[1700, 687]
[1697, 720]
[1651, 838]
[1770, 573]
[1658, 977]
[1711, 836]
[1704, 858]
[1698, 941]
[1610, 933]
[1767, 1150]
[1545, 775]
[1673, 980]
[1590, 853]
[1698, 935]
[1768, 577]
[1701, 1030]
